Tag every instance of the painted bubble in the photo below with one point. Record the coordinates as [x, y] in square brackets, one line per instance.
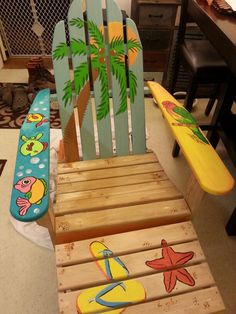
[21, 167]
[19, 174]
[41, 102]
[41, 166]
[43, 176]
[45, 160]
[36, 210]
[28, 171]
[34, 160]
[36, 109]
[44, 109]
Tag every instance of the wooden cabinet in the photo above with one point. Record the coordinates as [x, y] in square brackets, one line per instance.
[156, 20]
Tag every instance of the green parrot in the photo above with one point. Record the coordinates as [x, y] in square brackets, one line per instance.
[184, 118]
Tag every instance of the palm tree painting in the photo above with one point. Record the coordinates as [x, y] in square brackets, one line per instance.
[98, 64]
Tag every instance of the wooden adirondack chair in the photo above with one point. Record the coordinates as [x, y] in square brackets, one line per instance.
[113, 197]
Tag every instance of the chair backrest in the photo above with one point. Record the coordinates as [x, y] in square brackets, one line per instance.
[108, 59]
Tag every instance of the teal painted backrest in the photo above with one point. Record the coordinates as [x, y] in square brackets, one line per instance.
[104, 58]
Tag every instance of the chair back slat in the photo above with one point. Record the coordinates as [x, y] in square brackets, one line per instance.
[118, 76]
[100, 76]
[135, 64]
[64, 92]
[106, 59]
[81, 79]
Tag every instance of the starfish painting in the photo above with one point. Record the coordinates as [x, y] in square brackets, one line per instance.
[172, 259]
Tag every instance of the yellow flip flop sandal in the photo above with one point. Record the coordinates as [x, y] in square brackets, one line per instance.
[111, 266]
[110, 298]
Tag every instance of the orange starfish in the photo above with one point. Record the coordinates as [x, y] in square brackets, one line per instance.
[172, 259]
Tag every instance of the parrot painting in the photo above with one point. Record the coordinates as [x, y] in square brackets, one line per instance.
[184, 118]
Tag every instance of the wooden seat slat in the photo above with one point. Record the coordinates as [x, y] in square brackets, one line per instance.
[205, 301]
[153, 286]
[86, 225]
[89, 275]
[111, 182]
[96, 203]
[108, 173]
[107, 192]
[139, 240]
[66, 167]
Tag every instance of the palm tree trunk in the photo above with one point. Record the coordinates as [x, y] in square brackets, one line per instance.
[83, 98]
[70, 145]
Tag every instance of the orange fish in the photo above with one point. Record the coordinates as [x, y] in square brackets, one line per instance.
[36, 117]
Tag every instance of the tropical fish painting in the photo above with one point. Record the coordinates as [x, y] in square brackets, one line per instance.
[36, 117]
[34, 190]
[32, 146]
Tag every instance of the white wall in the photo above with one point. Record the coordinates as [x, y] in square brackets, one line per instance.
[124, 5]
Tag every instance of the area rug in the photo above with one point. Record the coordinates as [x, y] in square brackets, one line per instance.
[14, 120]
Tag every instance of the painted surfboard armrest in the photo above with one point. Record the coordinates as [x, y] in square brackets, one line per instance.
[30, 191]
[207, 167]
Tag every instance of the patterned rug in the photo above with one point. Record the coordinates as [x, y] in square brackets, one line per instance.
[14, 120]
[2, 165]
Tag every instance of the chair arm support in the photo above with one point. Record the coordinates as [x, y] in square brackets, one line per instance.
[30, 191]
[207, 167]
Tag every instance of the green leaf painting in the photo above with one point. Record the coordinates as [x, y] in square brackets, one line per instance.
[78, 47]
[132, 85]
[60, 52]
[67, 93]
[81, 76]
[98, 63]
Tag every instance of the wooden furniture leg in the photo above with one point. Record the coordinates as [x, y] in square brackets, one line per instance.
[231, 225]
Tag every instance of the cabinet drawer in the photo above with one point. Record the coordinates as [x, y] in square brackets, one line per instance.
[155, 60]
[156, 15]
[155, 40]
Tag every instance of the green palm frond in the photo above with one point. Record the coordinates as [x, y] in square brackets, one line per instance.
[60, 51]
[95, 34]
[103, 108]
[117, 44]
[77, 22]
[78, 47]
[93, 50]
[80, 76]
[134, 45]
[67, 93]
[118, 70]
[132, 86]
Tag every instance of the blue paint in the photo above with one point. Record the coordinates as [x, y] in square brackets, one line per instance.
[34, 166]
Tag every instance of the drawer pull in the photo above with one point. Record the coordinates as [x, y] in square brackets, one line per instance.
[158, 16]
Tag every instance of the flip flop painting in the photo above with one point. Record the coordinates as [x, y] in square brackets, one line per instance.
[30, 196]
[120, 291]
[114, 296]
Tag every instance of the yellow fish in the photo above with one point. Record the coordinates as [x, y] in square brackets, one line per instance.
[34, 189]
[36, 117]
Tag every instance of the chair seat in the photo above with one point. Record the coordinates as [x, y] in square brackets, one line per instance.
[119, 194]
[202, 59]
[154, 270]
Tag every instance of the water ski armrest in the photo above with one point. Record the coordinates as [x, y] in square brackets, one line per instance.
[207, 167]
[30, 191]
